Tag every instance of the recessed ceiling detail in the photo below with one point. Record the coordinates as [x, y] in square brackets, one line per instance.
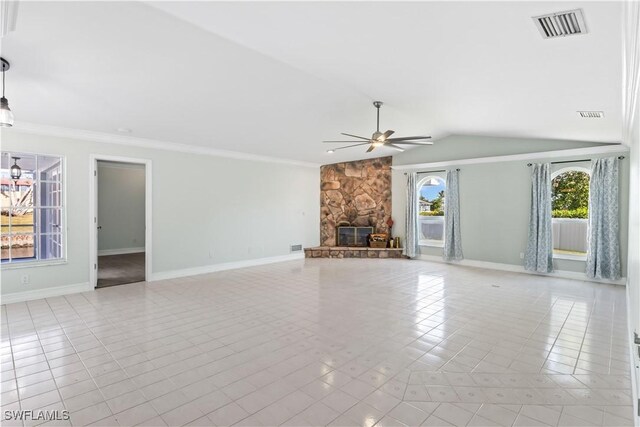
[561, 24]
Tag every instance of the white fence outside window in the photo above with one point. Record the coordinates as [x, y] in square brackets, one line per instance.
[431, 229]
[570, 234]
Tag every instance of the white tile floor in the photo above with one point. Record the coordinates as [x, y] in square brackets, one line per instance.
[325, 342]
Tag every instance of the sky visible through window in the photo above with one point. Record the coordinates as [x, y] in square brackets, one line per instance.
[430, 192]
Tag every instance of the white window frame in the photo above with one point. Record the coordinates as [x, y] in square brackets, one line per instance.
[553, 176]
[23, 263]
[426, 242]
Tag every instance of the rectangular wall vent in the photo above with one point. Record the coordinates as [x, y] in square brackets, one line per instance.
[591, 114]
[561, 24]
[296, 248]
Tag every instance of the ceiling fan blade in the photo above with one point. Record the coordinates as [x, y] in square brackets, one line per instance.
[387, 134]
[355, 136]
[371, 148]
[395, 147]
[413, 142]
[349, 146]
[344, 141]
[405, 138]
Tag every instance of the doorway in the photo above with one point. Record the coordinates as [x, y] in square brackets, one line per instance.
[119, 222]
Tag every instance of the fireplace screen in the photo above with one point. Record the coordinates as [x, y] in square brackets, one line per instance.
[353, 236]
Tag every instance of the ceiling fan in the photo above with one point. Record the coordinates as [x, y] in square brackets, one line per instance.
[380, 139]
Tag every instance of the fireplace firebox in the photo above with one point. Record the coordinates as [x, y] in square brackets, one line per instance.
[354, 236]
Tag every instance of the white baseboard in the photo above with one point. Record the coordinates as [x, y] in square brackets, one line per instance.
[121, 251]
[173, 274]
[44, 293]
[562, 274]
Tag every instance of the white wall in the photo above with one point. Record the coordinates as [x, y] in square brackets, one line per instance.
[235, 209]
[495, 197]
[633, 270]
[634, 229]
[120, 207]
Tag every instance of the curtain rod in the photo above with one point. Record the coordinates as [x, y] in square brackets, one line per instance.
[573, 161]
[443, 170]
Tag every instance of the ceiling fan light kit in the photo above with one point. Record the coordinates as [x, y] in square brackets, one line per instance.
[381, 139]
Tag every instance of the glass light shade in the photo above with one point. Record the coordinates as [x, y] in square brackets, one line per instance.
[16, 172]
[6, 115]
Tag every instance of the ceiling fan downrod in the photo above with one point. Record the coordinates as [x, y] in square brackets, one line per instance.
[377, 104]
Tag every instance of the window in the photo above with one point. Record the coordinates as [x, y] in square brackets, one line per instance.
[32, 209]
[570, 211]
[431, 211]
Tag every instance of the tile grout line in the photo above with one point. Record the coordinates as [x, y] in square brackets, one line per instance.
[586, 329]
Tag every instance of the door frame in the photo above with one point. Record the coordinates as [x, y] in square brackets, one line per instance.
[93, 212]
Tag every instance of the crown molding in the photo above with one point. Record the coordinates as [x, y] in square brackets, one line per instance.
[586, 151]
[108, 138]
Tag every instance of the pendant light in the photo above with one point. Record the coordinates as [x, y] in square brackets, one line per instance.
[16, 171]
[6, 116]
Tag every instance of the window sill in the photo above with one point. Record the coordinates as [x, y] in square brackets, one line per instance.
[31, 264]
[431, 244]
[570, 257]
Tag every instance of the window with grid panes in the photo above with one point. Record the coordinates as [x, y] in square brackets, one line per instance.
[32, 208]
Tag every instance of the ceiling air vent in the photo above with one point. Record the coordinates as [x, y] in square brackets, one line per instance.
[591, 114]
[561, 24]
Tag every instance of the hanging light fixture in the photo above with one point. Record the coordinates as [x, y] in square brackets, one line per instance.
[6, 116]
[16, 171]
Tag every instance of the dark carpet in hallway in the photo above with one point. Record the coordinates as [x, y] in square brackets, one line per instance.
[120, 269]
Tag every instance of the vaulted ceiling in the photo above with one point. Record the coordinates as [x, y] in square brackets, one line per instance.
[276, 78]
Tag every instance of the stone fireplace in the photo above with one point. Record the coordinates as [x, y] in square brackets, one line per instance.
[354, 194]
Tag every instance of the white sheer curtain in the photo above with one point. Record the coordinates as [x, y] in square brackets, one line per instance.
[452, 250]
[411, 248]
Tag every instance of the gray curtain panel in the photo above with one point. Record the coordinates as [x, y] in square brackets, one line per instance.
[539, 253]
[411, 248]
[603, 253]
[452, 242]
